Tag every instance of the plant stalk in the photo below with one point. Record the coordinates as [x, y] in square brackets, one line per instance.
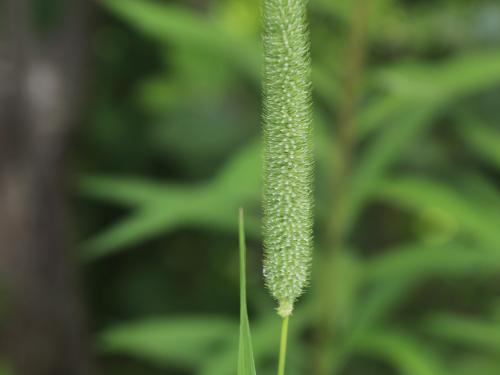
[283, 342]
[337, 226]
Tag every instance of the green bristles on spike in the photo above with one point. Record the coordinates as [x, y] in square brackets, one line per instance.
[288, 159]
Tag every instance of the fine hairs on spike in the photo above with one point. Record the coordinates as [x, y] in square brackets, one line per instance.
[288, 159]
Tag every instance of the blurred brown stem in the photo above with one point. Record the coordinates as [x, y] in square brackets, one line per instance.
[43, 329]
[330, 274]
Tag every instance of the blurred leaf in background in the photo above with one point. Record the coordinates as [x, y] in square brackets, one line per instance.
[170, 151]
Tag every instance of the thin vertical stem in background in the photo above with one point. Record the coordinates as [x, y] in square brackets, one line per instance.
[336, 225]
[351, 91]
[283, 343]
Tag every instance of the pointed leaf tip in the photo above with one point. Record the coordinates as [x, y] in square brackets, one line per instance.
[246, 364]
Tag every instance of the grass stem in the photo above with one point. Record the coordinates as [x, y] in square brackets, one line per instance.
[283, 342]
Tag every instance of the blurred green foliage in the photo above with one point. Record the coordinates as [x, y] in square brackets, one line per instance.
[171, 148]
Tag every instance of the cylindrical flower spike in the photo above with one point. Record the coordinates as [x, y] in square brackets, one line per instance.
[288, 159]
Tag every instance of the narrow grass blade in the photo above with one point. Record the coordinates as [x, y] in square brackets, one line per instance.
[246, 364]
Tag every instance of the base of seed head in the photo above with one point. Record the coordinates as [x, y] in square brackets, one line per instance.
[285, 309]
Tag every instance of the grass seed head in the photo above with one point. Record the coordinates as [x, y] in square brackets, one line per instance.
[288, 159]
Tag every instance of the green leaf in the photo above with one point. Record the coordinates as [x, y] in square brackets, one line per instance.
[381, 154]
[179, 341]
[126, 191]
[416, 194]
[181, 27]
[368, 313]
[178, 25]
[383, 299]
[482, 139]
[415, 96]
[160, 208]
[411, 87]
[444, 82]
[473, 364]
[419, 262]
[246, 364]
[379, 111]
[404, 352]
[466, 331]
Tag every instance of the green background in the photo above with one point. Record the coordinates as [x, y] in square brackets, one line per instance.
[407, 257]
